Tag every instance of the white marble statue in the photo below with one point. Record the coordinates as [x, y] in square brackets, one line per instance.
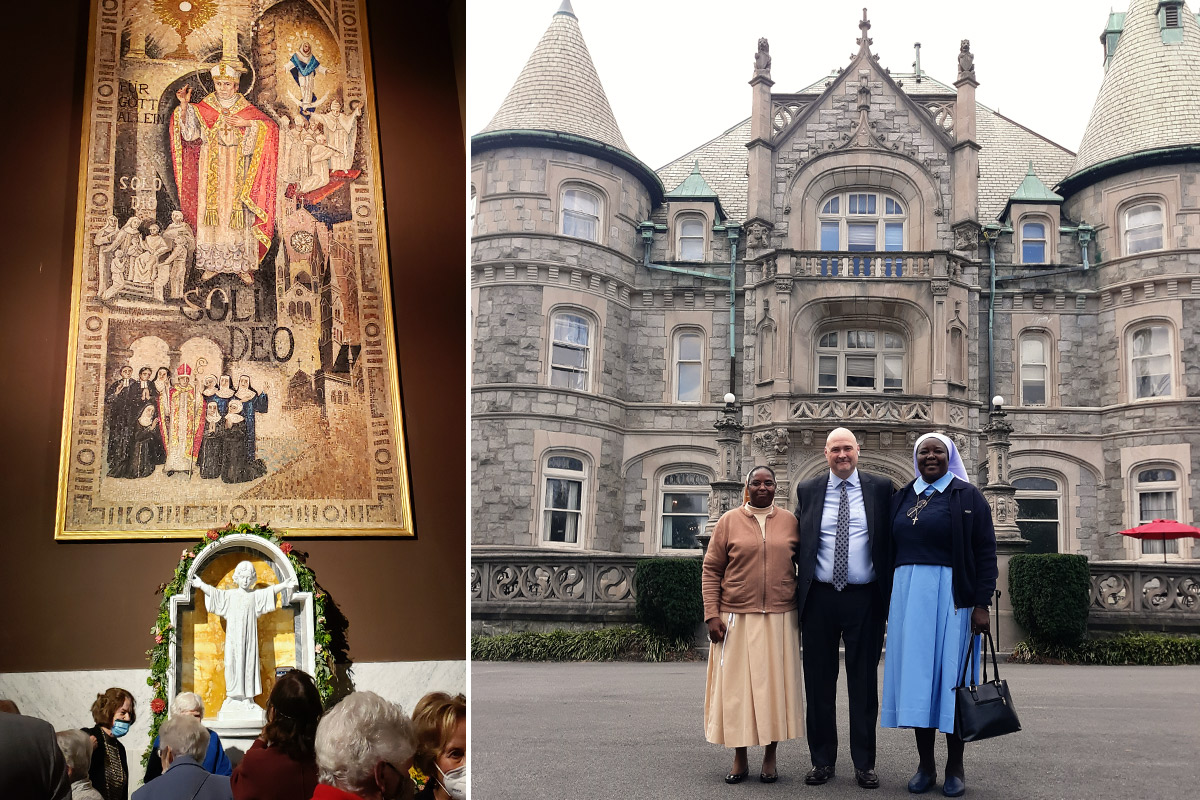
[241, 609]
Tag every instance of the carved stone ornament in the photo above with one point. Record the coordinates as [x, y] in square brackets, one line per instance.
[783, 283]
[806, 437]
[762, 60]
[966, 62]
[966, 237]
[939, 286]
[756, 235]
[885, 438]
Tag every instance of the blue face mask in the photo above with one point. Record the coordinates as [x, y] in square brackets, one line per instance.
[120, 728]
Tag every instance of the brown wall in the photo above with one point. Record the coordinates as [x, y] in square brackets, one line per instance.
[80, 605]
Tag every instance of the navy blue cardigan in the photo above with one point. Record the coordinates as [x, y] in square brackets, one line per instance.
[974, 543]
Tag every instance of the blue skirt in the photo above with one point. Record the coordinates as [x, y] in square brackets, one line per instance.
[927, 640]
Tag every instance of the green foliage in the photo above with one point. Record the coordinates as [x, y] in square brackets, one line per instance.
[164, 635]
[1136, 648]
[606, 644]
[668, 596]
[1050, 594]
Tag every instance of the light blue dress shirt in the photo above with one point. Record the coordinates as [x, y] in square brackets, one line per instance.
[919, 485]
[859, 569]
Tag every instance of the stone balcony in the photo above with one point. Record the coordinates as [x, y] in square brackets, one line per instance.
[1145, 595]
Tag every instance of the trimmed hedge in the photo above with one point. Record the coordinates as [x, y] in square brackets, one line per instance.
[1050, 594]
[1142, 649]
[668, 596]
[605, 644]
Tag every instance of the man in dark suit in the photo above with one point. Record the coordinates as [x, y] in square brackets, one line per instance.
[843, 587]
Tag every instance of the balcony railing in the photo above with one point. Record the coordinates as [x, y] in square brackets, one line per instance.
[865, 265]
[1145, 595]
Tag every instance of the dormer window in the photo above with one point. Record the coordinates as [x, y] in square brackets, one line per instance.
[1170, 20]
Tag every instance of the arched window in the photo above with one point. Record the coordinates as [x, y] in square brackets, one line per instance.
[1156, 488]
[859, 221]
[564, 478]
[691, 238]
[570, 350]
[1035, 369]
[1143, 228]
[684, 509]
[581, 214]
[860, 361]
[1150, 361]
[689, 366]
[1033, 242]
[1038, 502]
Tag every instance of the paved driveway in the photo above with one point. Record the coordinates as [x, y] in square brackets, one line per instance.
[625, 731]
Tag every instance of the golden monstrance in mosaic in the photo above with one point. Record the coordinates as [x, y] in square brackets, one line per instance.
[231, 351]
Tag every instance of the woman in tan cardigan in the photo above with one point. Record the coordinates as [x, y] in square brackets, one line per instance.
[749, 587]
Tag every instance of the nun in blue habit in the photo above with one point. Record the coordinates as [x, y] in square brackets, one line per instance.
[944, 549]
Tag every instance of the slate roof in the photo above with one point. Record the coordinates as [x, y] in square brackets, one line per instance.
[1150, 97]
[1007, 149]
[559, 90]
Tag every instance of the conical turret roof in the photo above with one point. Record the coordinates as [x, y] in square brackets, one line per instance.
[559, 90]
[1150, 97]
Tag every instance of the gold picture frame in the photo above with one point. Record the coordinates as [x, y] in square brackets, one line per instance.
[230, 239]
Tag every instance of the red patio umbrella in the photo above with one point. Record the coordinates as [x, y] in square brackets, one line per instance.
[1161, 530]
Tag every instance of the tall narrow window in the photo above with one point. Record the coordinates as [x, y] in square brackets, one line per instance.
[1143, 228]
[860, 361]
[1037, 513]
[956, 356]
[570, 351]
[1157, 491]
[1150, 361]
[1033, 243]
[691, 239]
[472, 208]
[563, 481]
[581, 215]
[689, 367]
[684, 509]
[1035, 370]
[766, 351]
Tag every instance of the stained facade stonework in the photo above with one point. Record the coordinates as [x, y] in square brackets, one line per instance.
[1101, 415]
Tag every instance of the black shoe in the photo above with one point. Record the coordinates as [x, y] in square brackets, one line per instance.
[737, 777]
[922, 782]
[866, 778]
[765, 778]
[819, 775]
[953, 786]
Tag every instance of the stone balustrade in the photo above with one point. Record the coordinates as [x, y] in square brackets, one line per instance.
[866, 265]
[1145, 595]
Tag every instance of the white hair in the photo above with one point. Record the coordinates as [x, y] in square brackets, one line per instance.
[244, 567]
[187, 702]
[185, 736]
[76, 748]
[358, 733]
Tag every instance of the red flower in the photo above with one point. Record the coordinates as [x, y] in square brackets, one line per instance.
[158, 705]
[213, 535]
[158, 639]
[286, 547]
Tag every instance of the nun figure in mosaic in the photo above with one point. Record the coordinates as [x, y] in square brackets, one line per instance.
[241, 608]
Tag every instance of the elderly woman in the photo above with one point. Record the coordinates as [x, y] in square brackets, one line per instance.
[281, 764]
[76, 748]
[945, 574]
[365, 748]
[441, 724]
[215, 760]
[749, 588]
[113, 713]
[183, 741]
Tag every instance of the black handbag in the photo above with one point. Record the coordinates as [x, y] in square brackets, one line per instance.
[983, 710]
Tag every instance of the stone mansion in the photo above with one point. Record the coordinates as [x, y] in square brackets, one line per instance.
[876, 250]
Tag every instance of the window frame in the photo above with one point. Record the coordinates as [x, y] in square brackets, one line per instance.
[1174, 487]
[1044, 340]
[660, 507]
[843, 352]
[677, 361]
[585, 188]
[1136, 205]
[1043, 240]
[548, 473]
[589, 348]
[1132, 359]
[844, 218]
[680, 220]
[1055, 494]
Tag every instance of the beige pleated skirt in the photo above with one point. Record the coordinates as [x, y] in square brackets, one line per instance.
[754, 684]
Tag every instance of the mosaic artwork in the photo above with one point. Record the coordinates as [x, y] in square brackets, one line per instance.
[232, 356]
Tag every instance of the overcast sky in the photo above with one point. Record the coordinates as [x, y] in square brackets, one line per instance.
[676, 71]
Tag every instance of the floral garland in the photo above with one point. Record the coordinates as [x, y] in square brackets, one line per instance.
[164, 633]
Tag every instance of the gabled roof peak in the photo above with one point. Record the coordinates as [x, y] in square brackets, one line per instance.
[695, 188]
[1032, 190]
